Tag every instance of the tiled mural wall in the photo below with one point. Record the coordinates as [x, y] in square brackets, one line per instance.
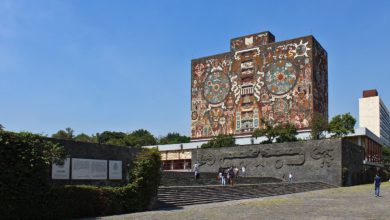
[280, 82]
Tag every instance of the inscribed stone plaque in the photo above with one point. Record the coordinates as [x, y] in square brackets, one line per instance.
[89, 169]
[60, 171]
[115, 169]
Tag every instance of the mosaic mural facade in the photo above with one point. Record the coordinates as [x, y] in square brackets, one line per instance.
[258, 80]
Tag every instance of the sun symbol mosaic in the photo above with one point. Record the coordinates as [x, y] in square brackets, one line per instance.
[281, 77]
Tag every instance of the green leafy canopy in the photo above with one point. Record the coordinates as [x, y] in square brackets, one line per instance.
[341, 125]
[220, 141]
[280, 132]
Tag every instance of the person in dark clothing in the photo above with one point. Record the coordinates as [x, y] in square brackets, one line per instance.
[231, 175]
[377, 183]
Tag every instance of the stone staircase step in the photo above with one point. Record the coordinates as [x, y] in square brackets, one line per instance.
[170, 178]
[190, 195]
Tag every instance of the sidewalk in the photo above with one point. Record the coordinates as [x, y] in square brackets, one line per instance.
[357, 202]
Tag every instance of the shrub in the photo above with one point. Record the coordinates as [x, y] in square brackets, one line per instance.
[386, 154]
[146, 175]
[25, 161]
[25, 192]
[87, 201]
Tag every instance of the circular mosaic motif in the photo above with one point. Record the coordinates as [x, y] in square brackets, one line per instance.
[280, 77]
[216, 87]
[301, 50]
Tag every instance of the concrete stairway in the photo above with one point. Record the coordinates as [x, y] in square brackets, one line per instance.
[189, 195]
[187, 179]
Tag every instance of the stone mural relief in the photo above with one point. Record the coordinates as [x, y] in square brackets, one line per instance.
[320, 160]
[289, 156]
[258, 80]
[257, 158]
[325, 154]
[208, 159]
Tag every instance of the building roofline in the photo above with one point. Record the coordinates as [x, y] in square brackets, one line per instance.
[362, 131]
[248, 35]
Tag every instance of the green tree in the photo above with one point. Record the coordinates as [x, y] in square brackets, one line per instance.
[112, 137]
[267, 131]
[286, 133]
[174, 138]
[139, 138]
[84, 138]
[318, 126]
[118, 142]
[341, 125]
[386, 154]
[64, 134]
[281, 133]
[220, 141]
[1, 127]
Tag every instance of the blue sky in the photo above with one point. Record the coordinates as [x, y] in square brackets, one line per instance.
[124, 65]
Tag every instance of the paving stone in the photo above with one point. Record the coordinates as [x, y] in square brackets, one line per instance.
[357, 202]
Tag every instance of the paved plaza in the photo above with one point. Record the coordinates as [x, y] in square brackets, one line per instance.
[357, 202]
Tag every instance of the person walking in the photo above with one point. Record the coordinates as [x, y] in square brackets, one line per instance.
[236, 171]
[231, 174]
[377, 183]
[243, 171]
[221, 177]
[290, 176]
[224, 177]
[196, 170]
[228, 176]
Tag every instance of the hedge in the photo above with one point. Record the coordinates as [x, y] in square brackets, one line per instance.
[25, 192]
[88, 201]
[24, 178]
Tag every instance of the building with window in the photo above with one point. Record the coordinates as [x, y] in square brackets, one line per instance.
[258, 80]
[263, 80]
[374, 115]
[371, 144]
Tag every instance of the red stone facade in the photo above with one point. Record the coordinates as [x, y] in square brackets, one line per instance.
[258, 80]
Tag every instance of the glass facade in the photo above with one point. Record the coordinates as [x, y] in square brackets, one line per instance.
[384, 124]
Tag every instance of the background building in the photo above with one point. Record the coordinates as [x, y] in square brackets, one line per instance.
[259, 79]
[371, 144]
[374, 115]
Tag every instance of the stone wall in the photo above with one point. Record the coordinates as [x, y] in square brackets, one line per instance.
[352, 157]
[319, 160]
[87, 150]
